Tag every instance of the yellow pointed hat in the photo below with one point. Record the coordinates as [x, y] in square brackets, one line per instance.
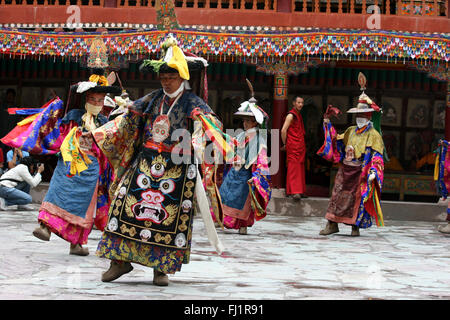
[173, 60]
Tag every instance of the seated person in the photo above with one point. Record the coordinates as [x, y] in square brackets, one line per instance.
[390, 144]
[426, 163]
[14, 156]
[15, 184]
[393, 164]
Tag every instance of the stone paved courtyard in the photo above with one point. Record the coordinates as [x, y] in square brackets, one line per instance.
[282, 258]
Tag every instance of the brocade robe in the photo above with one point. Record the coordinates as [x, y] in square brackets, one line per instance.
[354, 200]
[139, 228]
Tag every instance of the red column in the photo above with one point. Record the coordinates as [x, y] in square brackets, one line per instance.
[279, 111]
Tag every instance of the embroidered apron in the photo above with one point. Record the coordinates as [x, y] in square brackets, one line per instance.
[154, 201]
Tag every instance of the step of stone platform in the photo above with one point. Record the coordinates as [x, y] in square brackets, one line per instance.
[392, 210]
[38, 193]
[317, 206]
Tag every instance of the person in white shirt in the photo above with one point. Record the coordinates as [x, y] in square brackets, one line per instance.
[15, 184]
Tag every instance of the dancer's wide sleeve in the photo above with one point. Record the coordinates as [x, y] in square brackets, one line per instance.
[39, 133]
[333, 146]
[119, 140]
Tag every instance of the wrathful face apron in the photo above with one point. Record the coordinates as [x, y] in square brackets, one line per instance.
[154, 201]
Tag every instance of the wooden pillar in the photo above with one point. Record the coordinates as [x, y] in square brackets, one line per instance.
[111, 3]
[284, 6]
[280, 108]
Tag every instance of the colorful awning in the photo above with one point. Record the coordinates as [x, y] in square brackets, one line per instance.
[367, 45]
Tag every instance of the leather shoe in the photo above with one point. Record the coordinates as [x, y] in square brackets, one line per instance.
[42, 232]
[116, 270]
[78, 250]
[331, 227]
[160, 278]
[243, 230]
[25, 207]
[3, 206]
[355, 231]
[444, 229]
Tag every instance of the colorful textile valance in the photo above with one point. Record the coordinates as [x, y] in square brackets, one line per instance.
[370, 45]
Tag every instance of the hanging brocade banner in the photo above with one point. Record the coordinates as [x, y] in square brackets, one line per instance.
[345, 44]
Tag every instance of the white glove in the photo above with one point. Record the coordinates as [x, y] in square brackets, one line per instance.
[371, 176]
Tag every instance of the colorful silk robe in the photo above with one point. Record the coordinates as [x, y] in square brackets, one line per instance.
[80, 199]
[125, 141]
[368, 149]
[245, 191]
[73, 203]
[442, 172]
[442, 169]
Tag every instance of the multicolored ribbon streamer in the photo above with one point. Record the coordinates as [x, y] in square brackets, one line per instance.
[224, 143]
[379, 214]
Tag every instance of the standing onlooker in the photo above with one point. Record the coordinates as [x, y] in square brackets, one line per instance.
[16, 183]
[14, 157]
[7, 121]
[293, 138]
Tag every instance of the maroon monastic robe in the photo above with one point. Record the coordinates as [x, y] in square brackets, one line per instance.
[295, 155]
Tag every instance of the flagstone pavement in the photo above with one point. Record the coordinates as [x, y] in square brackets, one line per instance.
[281, 258]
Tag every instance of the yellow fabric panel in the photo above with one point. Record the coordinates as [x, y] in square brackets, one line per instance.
[179, 62]
[370, 138]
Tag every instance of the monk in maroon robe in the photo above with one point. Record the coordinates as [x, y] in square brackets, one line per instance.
[293, 138]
